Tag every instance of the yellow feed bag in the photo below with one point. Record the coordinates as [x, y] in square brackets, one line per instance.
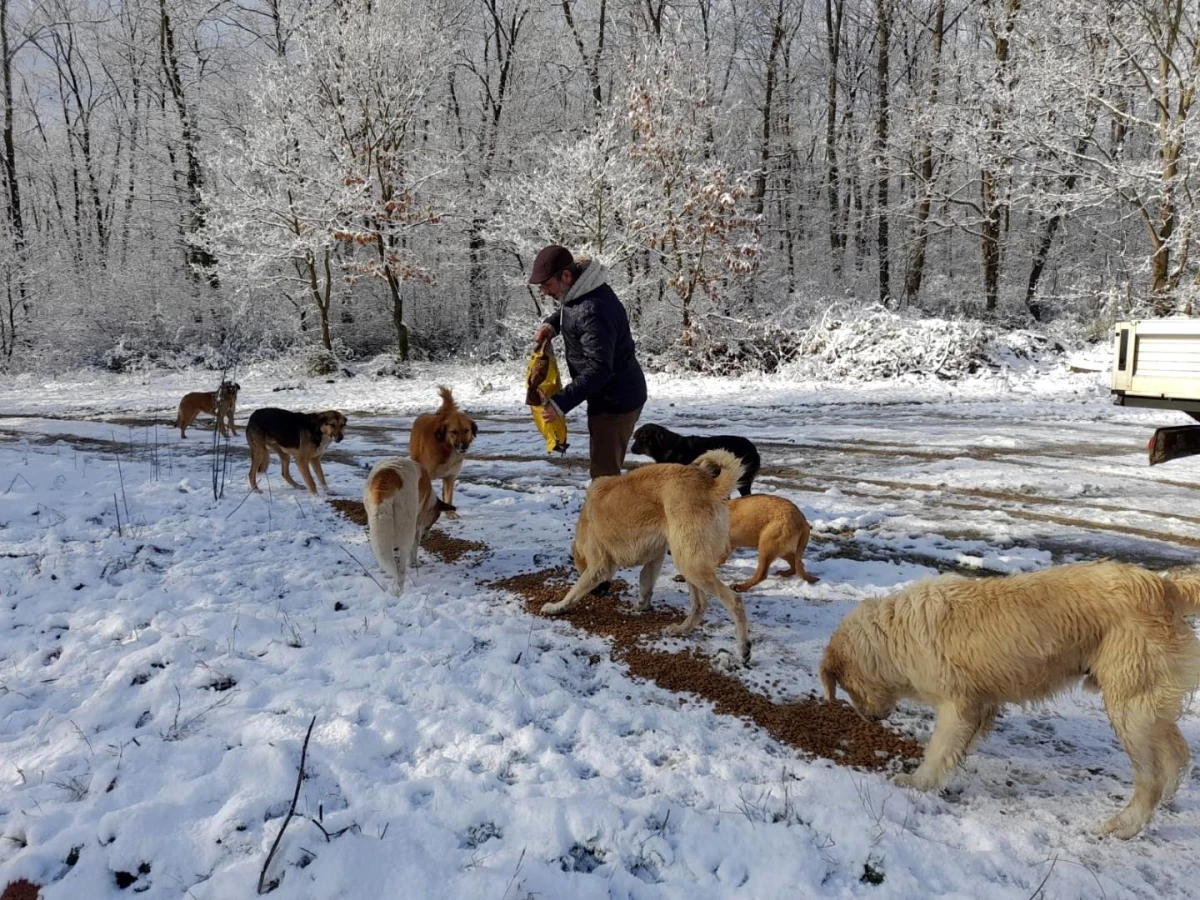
[541, 380]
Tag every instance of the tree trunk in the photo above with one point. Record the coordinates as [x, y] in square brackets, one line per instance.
[592, 61]
[883, 40]
[764, 146]
[991, 190]
[321, 294]
[15, 293]
[920, 241]
[1049, 227]
[833, 39]
[198, 258]
[393, 284]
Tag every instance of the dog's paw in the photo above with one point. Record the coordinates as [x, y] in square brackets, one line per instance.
[679, 629]
[723, 661]
[1123, 826]
[553, 609]
[743, 586]
[918, 781]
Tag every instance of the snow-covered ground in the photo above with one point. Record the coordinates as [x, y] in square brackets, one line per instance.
[162, 653]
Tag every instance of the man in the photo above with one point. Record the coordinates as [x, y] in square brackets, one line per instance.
[599, 352]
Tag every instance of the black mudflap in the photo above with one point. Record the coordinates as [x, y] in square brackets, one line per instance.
[1172, 443]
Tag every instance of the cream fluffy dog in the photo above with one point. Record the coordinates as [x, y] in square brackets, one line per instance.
[968, 646]
[634, 519]
[401, 508]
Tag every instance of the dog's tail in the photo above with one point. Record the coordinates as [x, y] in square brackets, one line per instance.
[723, 467]
[1183, 590]
[448, 404]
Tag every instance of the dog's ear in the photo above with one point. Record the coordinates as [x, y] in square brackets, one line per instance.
[443, 506]
[440, 434]
[474, 429]
[831, 671]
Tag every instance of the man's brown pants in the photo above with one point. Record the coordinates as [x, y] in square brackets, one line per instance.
[609, 435]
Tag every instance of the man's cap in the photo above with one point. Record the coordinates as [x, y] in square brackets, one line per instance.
[550, 262]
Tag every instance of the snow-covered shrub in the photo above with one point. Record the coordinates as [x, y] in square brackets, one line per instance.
[320, 361]
[129, 354]
[874, 343]
[388, 365]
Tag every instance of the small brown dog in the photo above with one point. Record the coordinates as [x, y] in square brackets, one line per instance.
[401, 508]
[305, 436]
[439, 442]
[776, 527]
[219, 403]
[634, 519]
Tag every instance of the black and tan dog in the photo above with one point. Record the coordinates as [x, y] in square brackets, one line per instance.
[665, 446]
[305, 436]
[219, 403]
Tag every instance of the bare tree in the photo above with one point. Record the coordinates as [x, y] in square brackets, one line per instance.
[16, 299]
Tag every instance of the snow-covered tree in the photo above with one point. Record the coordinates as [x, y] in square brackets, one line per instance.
[698, 215]
[324, 186]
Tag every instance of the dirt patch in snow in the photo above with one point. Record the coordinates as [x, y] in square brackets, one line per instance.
[814, 727]
[831, 731]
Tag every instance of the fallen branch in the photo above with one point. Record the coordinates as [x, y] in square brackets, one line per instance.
[291, 812]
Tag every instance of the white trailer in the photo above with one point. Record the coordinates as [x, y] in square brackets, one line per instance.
[1156, 364]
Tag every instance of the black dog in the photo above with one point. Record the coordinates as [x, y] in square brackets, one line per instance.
[665, 446]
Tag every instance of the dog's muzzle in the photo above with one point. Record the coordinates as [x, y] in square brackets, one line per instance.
[461, 448]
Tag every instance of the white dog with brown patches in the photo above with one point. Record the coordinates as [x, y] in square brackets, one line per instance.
[401, 508]
[969, 646]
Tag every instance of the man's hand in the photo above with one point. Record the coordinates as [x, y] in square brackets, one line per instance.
[549, 412]
[544, 333]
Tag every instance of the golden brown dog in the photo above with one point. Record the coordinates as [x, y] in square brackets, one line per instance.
[969, 646]
[219, 403]
[305, 436]
[439, 442]
[401, 508]
[776, 527]
[634, 519]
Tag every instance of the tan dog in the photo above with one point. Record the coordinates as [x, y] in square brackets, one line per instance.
[969, 646]
[439, 442]
[776, 527]
[219, 403]
[401, 508]
[305, 436]
[634, 519]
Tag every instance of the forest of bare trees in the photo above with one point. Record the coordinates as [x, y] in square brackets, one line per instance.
[376, 175]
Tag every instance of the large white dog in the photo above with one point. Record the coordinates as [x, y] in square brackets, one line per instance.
[401, 508]
[969, 646]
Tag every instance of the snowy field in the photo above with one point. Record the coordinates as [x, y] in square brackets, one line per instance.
[162, 653]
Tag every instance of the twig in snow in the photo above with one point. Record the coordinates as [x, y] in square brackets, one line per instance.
[14, 481]
[291, 812]
[1049, 872]
[364, 568]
